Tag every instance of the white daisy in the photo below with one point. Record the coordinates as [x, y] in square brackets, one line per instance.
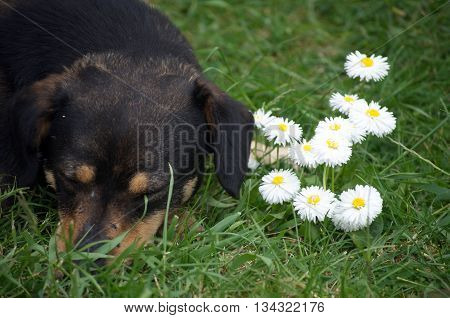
[331, 149]
[279, 186]
[283, 131]
[344, 103]
[341, 127]
[358, 132]
[313, 203]
[375, 119]
[336, 126]
[366, 68]
[357, 208]
[253, 164]
[302, 154]
[262, 118]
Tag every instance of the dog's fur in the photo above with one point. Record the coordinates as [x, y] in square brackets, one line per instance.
[81, 83]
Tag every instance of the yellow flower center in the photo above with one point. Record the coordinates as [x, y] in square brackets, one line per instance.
[332, 144]
[373, 112]
[307, 147]
[335, 126]
[367, 62]
[313, 199]
[283, 127]
[277, 180]
[349, 99]
[359, 203]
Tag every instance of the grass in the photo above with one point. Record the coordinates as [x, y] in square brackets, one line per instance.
[286, 55]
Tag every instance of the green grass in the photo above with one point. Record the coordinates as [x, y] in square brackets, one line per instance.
[289, 56]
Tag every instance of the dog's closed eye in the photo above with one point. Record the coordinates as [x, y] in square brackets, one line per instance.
[144, 184]
[76, 174]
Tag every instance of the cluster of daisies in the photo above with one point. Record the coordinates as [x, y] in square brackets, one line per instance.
[331, 147]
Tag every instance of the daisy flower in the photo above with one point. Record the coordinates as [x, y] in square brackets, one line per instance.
[335, 126]
[283, 131]
[344, 103]
[253, 164]
[302, 154]
[262, 118]
[357, 133]
[313, 203]
[377, 120]
[331, 149]
[279, 186]
[357, 208]
[341, 127]
[366, 68]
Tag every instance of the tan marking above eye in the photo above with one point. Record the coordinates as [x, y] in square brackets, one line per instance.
[140, 183]
[85, 173]
[188, 189]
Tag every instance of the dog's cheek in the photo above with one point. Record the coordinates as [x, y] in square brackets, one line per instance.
[50, 177]
[141, 232]
[189, 189]
[63, 233]
[70, 228]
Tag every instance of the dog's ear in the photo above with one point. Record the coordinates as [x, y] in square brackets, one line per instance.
[231, 129]
[24, 127]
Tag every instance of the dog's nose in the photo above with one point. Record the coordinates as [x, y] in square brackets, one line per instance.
[90, 238]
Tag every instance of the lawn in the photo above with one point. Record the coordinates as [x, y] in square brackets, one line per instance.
[287, 55]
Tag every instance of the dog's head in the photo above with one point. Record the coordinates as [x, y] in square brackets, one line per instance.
[107, 134]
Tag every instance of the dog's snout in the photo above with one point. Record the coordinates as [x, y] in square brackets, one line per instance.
[90, 238]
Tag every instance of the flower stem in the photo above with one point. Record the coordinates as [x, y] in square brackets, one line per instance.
[278, 157]
[324, 180]
[332, 179]
[255, 139]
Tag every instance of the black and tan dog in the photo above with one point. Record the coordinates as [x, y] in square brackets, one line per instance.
[102, 95]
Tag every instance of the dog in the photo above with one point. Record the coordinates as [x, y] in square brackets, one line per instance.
[106, 99]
